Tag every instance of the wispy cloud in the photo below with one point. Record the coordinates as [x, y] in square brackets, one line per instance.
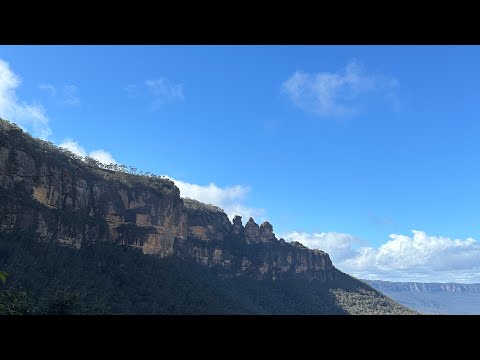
[131, 90]
[420, 257]
[160, 91]
[163, 90]
[101, 155]
[335, 94]
[48, 88]
[229, 198]
[31, 117]
[385, 221]
[68, 95]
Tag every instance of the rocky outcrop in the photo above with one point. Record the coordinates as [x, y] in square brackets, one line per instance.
[206, 222]
[53, 193]
[252, 232]
[49, 191]
[237, 228]
[266, 232]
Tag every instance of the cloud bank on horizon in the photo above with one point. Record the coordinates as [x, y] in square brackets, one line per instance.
[421, 257]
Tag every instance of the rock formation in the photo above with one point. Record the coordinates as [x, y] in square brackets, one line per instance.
[47, 190]
[252, 232]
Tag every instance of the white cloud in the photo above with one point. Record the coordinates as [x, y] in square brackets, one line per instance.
[49, 88]
[68, 95]
[229, 198]
[160, 91]
[31, 117]
[101, 155]
[420, 257]
[131, 90]
[338, 245]
[334, 94]
[235, 208]
[163, 90]
[212, 193]
[73, 146]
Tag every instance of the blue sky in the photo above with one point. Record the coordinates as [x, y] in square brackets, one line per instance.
[346, 148]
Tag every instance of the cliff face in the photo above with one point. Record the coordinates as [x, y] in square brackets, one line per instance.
[251, 250]
[49, 191]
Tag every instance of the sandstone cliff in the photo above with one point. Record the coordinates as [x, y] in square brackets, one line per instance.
[50, 191]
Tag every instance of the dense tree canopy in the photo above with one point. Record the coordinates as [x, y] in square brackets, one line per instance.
[102, 278]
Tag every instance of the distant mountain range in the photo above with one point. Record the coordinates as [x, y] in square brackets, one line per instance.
[433, 298]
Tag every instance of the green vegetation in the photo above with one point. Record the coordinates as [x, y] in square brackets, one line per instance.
[14, 301]
[359, 298]
[102, 278]
[115, 279]
[197, 205]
